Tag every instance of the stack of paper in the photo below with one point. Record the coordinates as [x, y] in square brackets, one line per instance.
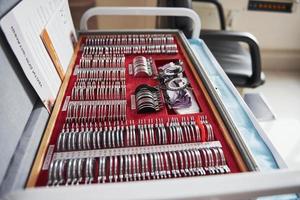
[24, 27]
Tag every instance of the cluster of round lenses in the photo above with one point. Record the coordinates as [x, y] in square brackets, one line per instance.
[147, 98]
[174, 85]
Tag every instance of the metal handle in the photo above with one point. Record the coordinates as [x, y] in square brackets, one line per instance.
[143, 11]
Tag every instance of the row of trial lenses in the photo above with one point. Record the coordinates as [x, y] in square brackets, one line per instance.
[96, 111]
[98, 90]
[101, 74]
[130, 49]
[97, 61]
[135, 167]
[130, 39]
[142, 67]
[208, 127]
[88, 136]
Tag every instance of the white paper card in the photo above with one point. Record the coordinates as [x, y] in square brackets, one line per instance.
[22, 27]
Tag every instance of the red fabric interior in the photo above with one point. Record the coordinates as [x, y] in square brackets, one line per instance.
[132, 83]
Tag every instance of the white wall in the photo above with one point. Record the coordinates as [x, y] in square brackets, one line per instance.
[274, 30]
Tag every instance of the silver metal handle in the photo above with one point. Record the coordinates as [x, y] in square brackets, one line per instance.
[143, 11]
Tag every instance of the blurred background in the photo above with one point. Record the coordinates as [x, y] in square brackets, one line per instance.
[278, 33]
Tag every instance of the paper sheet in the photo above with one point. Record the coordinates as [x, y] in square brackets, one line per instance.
[59, 37]
[22, 27]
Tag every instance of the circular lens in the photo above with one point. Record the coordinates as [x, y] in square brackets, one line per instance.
[177, 84]
[173, 70]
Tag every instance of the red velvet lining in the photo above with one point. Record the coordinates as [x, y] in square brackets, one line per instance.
[132, 83]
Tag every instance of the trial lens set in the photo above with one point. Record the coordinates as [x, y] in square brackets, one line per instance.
[130, 113]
